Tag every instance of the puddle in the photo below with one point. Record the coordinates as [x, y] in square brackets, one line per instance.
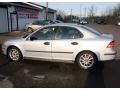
[52, 67]
[2, 77]
[38, 77]
[26, 71]
[5, 82]
[34, 77]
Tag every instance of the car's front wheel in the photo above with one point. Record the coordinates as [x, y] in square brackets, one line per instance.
[86, 60]
[14, 54]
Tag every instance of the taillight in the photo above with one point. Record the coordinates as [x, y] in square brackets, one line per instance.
[111, 44]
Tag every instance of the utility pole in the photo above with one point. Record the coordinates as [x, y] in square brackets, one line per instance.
[85, 12]
[46, 15]
[80, 12]
[71, 14]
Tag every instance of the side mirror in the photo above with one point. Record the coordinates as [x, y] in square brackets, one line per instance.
[32, 38]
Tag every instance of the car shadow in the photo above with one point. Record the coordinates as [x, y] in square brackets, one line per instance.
[95, 77]
[3, 59]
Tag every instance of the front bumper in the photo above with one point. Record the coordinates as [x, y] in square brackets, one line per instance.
[4, 49]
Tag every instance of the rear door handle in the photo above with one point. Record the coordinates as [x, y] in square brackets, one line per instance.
[74, 43]
[46, 43]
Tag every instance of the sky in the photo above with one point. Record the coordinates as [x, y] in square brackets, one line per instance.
[78, 8]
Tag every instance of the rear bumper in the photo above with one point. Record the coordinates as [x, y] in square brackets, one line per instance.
[108, 55]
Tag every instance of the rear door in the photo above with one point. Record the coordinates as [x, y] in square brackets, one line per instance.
[66, 43]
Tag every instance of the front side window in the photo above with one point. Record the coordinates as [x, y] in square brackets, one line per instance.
[67, 33]
[43, 34]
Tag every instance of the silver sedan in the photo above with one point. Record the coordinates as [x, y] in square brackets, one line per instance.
[63, 43]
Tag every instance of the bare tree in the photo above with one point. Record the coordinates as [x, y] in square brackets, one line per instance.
[91, 14]
[116, 11]
[92, 11]
[60, 15]
[103, 13]
[108, 11]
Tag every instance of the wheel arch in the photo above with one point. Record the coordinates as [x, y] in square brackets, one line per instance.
[15, 47]
[86, 51]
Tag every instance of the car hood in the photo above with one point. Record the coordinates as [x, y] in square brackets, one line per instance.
[15, 40]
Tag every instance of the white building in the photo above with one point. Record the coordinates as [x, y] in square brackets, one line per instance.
[15, 15]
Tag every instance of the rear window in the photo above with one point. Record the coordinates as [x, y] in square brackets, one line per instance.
[91, 30]
[38, 23]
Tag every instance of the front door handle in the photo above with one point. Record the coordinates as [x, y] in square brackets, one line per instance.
[74, 43]
[46, 43]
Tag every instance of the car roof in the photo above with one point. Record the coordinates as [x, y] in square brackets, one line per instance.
[84, 29]
[65, 24]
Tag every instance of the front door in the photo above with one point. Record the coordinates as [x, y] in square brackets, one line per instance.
[39, 45]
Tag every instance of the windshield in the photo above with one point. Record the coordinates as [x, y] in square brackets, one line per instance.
[91, 30]
[25, 35]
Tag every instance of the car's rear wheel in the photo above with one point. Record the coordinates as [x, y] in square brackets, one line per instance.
[14, 54]
[86, 60]
[30, 29]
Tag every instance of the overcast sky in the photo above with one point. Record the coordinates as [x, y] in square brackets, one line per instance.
[75, 6]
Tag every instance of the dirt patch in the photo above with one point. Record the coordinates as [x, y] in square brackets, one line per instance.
[15, 33]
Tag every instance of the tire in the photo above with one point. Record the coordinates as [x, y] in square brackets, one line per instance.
[30, 29]
[86, 60]
[14, 54]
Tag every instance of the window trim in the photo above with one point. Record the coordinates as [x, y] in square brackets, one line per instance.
[55, 32]
[52, 36]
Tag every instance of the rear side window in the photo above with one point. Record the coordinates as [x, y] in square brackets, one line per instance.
[67, 33]
[91, 30]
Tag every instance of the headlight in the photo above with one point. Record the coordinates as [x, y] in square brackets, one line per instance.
[4, 46]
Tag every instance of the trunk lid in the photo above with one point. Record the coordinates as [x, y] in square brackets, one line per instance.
[108, 36]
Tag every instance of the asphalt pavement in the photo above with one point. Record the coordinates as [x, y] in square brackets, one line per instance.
[31, 73]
